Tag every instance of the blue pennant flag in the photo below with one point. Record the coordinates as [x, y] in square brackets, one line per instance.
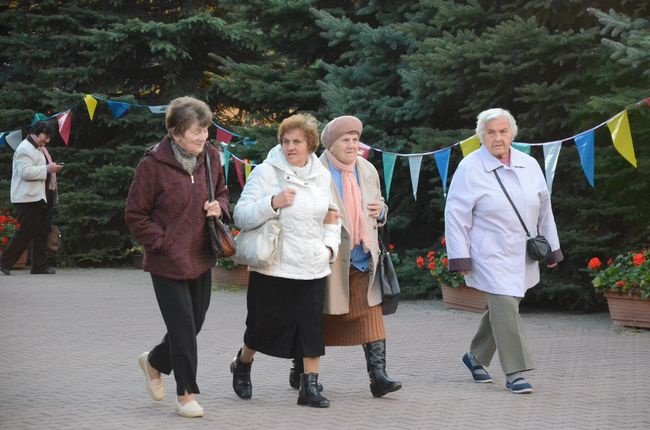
[585, 145]
[442, 163]
[118, 108]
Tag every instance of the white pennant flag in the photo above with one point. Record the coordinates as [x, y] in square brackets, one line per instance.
[14, 138]
[551, 154]
[415, 161]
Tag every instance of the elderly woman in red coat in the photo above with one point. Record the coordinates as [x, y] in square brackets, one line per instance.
[166, 212]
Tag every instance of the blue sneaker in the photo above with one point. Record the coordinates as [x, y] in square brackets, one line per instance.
[519, 386]
[477, 375]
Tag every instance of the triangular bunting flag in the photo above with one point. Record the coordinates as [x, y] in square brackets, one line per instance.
[551, 155]
[585, 145]
[364, 150]
[247, 168]
[249, 141]
[226, 166]
[38, 117]
[470, 145]
[3, 142]
[118, 108]
[442, 163]
[522, 147]
[389, 165]
[240, 176]
[223, 136]
[415, 162]
[14, 138]
[619, 126]
[91, 104]
[157, 109]
[64, 126]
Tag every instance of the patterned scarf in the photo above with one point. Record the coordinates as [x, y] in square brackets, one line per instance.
[187, 160]
[352, 202]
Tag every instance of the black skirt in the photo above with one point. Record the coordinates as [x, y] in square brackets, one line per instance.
[285, 316]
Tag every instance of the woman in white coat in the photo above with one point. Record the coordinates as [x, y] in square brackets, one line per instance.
[285, 300]
[487, 243]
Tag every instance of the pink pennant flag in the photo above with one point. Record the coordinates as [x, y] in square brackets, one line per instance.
[240, 175]
[364, 150]
[64, 126]
[223, 136]
[647, 101]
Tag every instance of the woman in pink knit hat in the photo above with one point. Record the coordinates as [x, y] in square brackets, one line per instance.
[352, 293]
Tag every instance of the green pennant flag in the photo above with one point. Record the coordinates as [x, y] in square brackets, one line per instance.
[388, 159]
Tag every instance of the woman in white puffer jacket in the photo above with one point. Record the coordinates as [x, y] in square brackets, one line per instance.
[285, 300]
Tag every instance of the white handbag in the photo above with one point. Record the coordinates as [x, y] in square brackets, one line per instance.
[257, 247]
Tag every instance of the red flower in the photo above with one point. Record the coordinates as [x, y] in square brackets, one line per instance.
[431, 265]
[443, 242]
[3, 219]
[610, 261]
[445, 261]
[391, 247]
[419, 261]
[620, 283]
[594, 263]
[638, 259]
[431, 255]
[5, 240]
[234, 232]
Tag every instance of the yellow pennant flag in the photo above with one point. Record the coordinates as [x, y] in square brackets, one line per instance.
[247, 168]
[91, 104]
[470, 145]
[619, 126]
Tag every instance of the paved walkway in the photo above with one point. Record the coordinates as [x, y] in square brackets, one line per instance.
[69, 345]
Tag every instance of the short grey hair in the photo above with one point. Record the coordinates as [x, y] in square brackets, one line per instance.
[491, 114]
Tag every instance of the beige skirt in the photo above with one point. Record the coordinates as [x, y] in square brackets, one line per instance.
[362, 324]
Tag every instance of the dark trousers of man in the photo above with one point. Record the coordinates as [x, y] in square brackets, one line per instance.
[35, 222]
[183, 304]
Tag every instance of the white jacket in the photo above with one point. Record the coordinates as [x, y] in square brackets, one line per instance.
[29, 172]
[482, 231]
[305, 242]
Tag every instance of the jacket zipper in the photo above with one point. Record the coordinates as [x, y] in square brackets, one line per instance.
[192, 178]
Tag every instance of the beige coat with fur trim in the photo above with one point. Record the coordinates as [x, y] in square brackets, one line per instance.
[337, 290]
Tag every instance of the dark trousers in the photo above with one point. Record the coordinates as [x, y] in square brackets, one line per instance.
[183, 304]
[35, 222]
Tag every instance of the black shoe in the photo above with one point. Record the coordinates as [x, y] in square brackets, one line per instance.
[309, 394]
[380, 383]
[295, 372]
[5, 271]
[46, 271]
[241, 377]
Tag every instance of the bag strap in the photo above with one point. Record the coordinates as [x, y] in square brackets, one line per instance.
[208, 174]
[511, 203]
[383, 237]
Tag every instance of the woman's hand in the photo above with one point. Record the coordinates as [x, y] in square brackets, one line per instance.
[374, 208]
[552, 265]
[212, 208]
[283, 199]
[332, 217]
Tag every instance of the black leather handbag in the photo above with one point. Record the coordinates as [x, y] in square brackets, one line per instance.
[390, 291]
[537, 248]
[221, 241]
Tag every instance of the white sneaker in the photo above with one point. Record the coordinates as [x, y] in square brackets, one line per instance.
[155, 387]
[191, 409]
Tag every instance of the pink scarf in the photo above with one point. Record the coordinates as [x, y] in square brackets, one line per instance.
[352, 202]
[51, 184]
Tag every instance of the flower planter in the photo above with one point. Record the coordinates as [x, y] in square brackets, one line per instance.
[463, 298]
[22, 261]
[238, 275]
[137, 260]
[628, 310]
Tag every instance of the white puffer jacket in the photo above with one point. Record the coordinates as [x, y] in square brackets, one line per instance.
[305, 242]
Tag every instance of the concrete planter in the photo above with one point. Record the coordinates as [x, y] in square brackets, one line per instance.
[628, 310]
[463, 298]
[238, 275]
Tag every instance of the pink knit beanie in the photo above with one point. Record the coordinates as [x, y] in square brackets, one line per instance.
[338, 127]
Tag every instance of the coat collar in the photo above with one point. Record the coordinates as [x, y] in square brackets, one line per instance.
[490, 162]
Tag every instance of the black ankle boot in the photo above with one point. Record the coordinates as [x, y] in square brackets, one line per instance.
[241, 377]
[380, 383]
[309, 394]
[295, 372]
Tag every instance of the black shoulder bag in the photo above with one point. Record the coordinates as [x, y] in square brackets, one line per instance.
[537, 248]
[221, 241]
[390, 290]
